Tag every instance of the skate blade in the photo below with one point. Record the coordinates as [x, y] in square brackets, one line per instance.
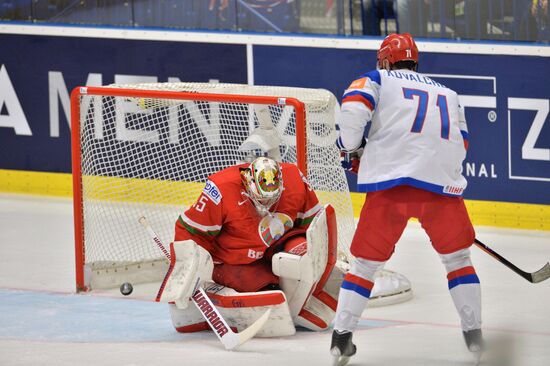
[477, 358]
[338, 360]
[476, 353]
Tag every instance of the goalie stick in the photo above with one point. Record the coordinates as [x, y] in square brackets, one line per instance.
[229, 338]
[533, 277]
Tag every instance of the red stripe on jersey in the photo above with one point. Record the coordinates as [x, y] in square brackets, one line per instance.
[358, 98]
[461, 272]
[359, 281]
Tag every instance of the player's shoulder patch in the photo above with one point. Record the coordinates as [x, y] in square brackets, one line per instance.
[358, 84]
[212, 191]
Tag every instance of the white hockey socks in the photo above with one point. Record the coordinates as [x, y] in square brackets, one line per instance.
[464, 287]
[354, 293]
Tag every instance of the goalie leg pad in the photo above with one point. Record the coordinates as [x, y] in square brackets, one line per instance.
[187, 320]
[320, 309]
[240, 310]
[300, 276]
[291, 266]
[389, 288]
[190, 266]
[317, 313]
[296, 278]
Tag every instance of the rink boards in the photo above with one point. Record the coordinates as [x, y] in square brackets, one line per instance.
[489, 213]
[504, 88]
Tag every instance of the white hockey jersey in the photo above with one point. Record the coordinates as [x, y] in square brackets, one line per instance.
[418, 134]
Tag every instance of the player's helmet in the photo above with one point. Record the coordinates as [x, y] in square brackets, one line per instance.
[263, 181]
[397, 47]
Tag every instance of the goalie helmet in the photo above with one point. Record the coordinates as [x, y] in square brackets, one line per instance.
[263, 182]
[397, 47]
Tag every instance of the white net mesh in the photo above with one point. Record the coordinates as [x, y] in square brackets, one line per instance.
[151, 156]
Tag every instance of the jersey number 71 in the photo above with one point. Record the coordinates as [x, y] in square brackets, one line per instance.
[423, 98]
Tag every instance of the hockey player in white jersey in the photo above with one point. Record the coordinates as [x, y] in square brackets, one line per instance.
[411, 167]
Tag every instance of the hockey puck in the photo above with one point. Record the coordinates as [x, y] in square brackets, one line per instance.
[126, 288]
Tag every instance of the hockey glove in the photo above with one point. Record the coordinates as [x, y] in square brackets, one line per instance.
[350, 159]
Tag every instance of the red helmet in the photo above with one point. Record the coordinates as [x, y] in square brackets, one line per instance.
[397, 47]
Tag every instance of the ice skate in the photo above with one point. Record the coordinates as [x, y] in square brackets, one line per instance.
[341, 347]
[475, 344]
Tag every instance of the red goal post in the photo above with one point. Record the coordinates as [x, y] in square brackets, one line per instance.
[130, 144]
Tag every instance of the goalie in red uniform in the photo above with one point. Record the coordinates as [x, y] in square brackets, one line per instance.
[249, 227]
[242, 228]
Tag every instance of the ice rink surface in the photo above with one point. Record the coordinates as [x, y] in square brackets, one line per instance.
[43, 322]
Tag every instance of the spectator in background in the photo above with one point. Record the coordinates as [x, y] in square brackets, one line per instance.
[223, 4]
[411, 16]
[471, 18]
[539, 10]
[269, 15]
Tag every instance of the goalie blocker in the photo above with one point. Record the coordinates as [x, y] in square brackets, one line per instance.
[310, 285]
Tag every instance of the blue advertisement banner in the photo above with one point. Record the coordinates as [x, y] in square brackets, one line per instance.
[506, 97]
[38, 73]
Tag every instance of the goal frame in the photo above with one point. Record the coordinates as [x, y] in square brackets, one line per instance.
[301, 143]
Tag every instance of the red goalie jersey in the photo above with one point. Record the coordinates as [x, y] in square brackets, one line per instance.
[225, 221]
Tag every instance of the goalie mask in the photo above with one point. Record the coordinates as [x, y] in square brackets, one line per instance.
[263, 182]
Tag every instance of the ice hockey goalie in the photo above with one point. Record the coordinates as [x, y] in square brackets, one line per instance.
[260, 239]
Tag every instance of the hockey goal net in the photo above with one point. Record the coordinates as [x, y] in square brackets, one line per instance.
[147, 150]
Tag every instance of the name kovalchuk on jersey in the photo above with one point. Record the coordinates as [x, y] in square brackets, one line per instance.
[423, 127]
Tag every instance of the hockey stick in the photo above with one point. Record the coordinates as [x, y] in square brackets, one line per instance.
[229, 338]
[533, 277]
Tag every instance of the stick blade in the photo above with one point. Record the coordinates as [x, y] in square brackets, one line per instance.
[542, 274]
[251, 331]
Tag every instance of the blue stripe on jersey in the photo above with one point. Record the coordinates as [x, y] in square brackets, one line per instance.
[340, 144]
[372, 187]
[462, 280]
[465, 135]
[374, 75]
[363, 291]
[367, 96]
